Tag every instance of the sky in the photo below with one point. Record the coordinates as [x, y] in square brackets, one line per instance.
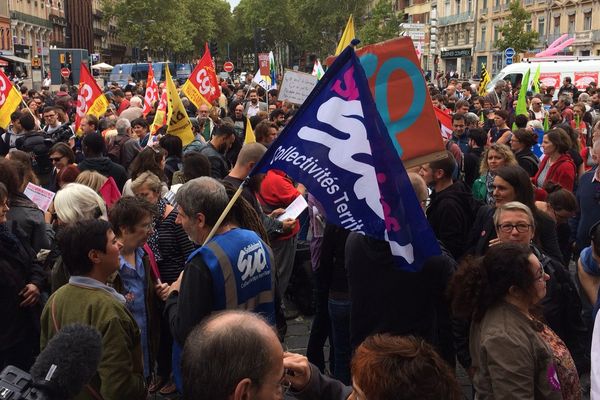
[233, 3]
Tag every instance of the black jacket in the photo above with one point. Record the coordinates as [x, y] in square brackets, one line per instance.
[107, 168]
[386, 299]
[472, 161]
[451, 214]
[219, 167]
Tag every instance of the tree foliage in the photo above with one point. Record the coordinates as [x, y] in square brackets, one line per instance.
[513, 32]
[381, 24]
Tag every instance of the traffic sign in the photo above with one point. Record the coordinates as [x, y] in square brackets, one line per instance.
[509, 60]
[509, 52]
[414, 27]
[228, 66]
[65, 72]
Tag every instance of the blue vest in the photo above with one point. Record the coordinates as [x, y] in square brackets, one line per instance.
[240, 266]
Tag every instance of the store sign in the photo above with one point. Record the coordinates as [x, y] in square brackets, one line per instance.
[456, 53]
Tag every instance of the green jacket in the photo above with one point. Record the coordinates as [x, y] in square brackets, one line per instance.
[120, 373]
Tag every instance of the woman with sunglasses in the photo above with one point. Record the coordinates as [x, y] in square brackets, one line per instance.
[61, 156]
[514, 354]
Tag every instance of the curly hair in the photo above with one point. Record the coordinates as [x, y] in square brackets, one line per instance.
[480, 283]
[504, 151]
[388, 367]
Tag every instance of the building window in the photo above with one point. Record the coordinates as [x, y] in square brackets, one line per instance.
[484, 4]
[455, 38]
[541, 25]
[469, 5]
[467, 36]
[587, 21]
[496, 34]
[557, 25]
[447, 10]
[528, 26]
[571, 23]
[483, 34]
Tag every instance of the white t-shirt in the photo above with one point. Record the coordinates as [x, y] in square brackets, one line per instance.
[595, 375]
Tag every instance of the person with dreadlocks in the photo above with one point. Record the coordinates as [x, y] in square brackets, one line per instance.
[232, 270]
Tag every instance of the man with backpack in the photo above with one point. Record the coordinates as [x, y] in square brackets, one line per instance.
[122, 148]
[37, 145]
[93, 146]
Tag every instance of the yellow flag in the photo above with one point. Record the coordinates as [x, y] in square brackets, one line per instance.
[10, 98]
[347, 36]
[485, 79]
[177, 119]
[249, 138]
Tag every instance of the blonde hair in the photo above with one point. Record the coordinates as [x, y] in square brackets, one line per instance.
[76, 202]
[92, 179]
[504, 151]
[147, 178]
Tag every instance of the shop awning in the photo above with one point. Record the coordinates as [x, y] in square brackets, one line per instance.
[14, 59]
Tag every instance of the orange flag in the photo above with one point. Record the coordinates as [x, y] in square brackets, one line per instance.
[160, 118]
[202, 87]
[151, 96]
[90, 99]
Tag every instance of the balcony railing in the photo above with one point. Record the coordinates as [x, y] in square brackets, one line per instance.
[456, 19]
[99, 32]
[30, 19]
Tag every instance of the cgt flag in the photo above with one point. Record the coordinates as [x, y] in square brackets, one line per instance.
[179, 123]
[445, 122]
[10, 98]
[202, 87]
[90, 99]
[151, 96]
[160, 118]
[338, 147]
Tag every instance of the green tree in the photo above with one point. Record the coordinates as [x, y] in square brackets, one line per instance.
[382, 24]
[513, 32]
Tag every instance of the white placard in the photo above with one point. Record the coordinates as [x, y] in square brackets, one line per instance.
[294, 209]
[296, 86]
[40, 196]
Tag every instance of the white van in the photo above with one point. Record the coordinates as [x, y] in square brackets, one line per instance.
[553, 70]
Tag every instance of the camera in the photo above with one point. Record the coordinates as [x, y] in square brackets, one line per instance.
[16, 384]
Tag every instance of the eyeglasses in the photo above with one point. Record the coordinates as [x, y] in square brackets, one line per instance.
[56, 159]
[508, 228]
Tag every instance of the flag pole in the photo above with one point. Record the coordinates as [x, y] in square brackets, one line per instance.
[225, 211]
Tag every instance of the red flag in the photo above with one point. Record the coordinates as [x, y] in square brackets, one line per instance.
[445, 123]
[90, 99]
[203, 83]
[160, 118]
[151, 96]
[110, 192]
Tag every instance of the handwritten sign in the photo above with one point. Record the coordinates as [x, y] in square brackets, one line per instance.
[296, 86]
[40, 196]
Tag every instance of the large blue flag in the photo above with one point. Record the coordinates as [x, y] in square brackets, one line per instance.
[338, 147]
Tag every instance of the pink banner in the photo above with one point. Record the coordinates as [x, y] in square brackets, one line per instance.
[583, 79]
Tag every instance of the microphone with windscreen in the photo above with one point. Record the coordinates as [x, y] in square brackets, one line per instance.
[68, 362]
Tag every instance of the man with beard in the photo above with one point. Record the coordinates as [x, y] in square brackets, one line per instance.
[221, 141]
[254, 105]
[278, 116]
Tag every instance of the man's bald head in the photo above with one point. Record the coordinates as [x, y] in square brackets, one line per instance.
[226, 349]
[251, 152]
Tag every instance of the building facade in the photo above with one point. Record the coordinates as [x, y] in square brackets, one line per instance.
[456, 24]
[31, 31]
[5, 36]
[549, 18]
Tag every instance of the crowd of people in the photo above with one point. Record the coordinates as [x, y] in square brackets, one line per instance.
[130, 245]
